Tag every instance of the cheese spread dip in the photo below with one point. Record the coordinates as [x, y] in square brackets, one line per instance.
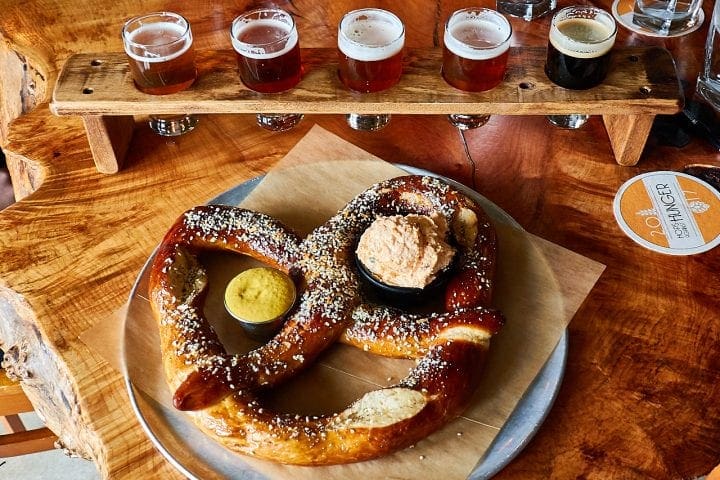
[406, 251]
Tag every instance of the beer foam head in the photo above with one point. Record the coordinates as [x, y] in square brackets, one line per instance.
[370, 35]
[582, 35]
[477, 34]
[264, 37]
[156, 41]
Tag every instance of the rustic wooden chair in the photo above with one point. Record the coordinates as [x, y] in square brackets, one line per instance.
[19, 440]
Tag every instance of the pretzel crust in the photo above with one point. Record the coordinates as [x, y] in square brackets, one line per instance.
[218, 389]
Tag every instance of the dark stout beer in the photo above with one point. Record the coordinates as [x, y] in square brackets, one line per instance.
[578, 55]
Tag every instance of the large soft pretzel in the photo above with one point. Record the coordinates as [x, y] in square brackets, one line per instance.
[218, 388]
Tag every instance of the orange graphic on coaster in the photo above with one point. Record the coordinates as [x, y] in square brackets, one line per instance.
[669, 212]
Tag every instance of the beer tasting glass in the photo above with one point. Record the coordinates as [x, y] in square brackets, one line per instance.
[475, 54]
[268, 57]
[578, 55]
[160, 54]
[370, 44]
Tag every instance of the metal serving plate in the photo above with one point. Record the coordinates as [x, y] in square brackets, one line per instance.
[190, 452]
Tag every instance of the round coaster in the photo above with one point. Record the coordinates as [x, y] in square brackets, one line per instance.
[669, 212]
[622, 10]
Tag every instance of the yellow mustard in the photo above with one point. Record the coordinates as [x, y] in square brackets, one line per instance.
[259, 294]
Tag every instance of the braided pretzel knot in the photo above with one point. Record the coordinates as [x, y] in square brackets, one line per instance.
[219, 389]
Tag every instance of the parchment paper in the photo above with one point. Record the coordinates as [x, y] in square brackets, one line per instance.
[540, 286]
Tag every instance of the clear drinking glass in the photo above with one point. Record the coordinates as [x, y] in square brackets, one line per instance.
[578, 56]
[708, 84]
[160, 54]
[370, 44]
[268, 54]
[526, 9]
[667, 17]
[475, 52]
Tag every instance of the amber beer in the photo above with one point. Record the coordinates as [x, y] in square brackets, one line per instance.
[475, 50]
[580, 42]
[370, 43]
[268, 50]
[159, 47]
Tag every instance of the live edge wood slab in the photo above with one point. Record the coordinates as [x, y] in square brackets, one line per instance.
[642, 83]
[639, 398]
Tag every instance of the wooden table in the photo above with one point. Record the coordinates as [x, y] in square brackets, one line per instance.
[639, 397]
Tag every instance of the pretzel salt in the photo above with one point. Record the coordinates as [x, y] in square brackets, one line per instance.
[219, 389]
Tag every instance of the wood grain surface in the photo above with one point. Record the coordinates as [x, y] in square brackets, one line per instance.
[642, 80]
[642, 83]
[639, 397]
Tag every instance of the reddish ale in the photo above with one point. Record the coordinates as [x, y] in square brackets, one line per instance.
[370, 44]
[475, 49]
[268, 54]
[370, 76]
[473, 75]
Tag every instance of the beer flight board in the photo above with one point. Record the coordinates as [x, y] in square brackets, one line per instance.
[642, 83]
